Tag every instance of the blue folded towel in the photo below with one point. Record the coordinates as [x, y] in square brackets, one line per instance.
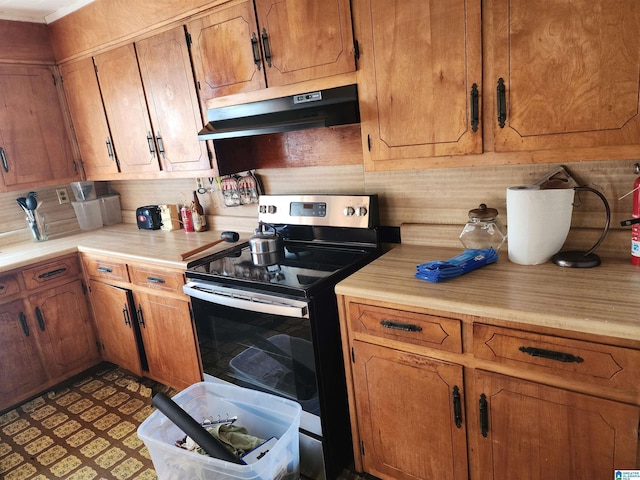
[469, 260]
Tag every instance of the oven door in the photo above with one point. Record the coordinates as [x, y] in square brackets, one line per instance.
[257, 341]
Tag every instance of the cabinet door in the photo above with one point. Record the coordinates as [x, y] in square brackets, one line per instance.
[535, 432]
[169, 339]
[420, 60]
[89, 120]
[34, 143]
[410, 415]
[114, 318]
[570, 70]
[126, 109]
[168, 81]
[307, 39]
[64, 329]
[223, 46]
[22, 371]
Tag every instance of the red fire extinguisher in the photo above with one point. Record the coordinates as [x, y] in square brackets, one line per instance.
[635, 221]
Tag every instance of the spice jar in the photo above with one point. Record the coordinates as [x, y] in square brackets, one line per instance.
[483, 230]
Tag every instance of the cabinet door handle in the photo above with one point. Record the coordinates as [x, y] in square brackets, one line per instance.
[457, 406]
[266, 47]
[484, 415]
[23, 323]
[475, 109]
[140, 316]
[127, 318]
[104, 269]
[152, 148]
[256, 51]
[156, 280]
[407, 327]
[551, 354]
[160, 144]
[40, 318]
[501, 96]
[52, 273]
[110, 148]
[3, 156]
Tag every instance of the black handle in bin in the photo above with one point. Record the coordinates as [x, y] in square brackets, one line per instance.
[210, 444]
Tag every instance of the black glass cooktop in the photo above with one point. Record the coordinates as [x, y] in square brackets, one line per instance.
[300, 267]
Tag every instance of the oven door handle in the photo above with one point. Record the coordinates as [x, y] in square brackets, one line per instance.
[257, 303]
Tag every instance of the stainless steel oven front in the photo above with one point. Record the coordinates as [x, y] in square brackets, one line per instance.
[268, 342]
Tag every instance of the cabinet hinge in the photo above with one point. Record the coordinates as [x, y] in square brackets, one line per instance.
[369, 142]
[361, 447]
[353, 356]
[188, 38]
[55, 80]
[84, 288]
[356, 49]
[95, 68]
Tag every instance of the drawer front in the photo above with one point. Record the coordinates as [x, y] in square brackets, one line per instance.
[51, 272]
[156, 278]
[593, 363]
[8, 285]
[108, 269]
[408, 327]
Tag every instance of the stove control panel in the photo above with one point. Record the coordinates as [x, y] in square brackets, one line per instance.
[353, 211]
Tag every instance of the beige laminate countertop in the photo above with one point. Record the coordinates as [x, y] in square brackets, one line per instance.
[123, 240]
[602, 300]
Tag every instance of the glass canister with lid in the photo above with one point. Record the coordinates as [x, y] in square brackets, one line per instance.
[483, 230]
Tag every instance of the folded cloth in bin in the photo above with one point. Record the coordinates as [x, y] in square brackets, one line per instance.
[235, 438]
[440, 270]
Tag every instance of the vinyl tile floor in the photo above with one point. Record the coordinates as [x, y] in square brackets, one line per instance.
[85, 429]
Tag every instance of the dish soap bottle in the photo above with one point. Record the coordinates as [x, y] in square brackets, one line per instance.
[197, 214]
[483, 230]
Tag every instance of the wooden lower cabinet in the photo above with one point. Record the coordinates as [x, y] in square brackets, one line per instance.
[46, 335]
[531, 431]
[22, 370]
[144, 320]
[409, 414]
[168, 339]
[532, 413]
[115, 323]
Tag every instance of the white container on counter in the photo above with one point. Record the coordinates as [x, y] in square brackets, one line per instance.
[89, 214]
[110, 209]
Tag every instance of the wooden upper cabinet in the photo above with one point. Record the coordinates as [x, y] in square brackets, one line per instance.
[421, 67]
[570, 72]
[90, 123]
[306, 39]
[126, 108]
[293, 41]
[34, 141]
[222, 46]
[169, 85]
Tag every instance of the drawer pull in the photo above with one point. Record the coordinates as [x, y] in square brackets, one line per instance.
[551, 355]
[23, 322]
[457, 406]
[484, 415]
[105, 269]
[407, 327]
[141, 317]
[156, 280]
[53, 273]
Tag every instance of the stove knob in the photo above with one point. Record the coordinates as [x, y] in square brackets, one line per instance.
[349, 211]
[361, 211]
[263, 209]
[271, 209]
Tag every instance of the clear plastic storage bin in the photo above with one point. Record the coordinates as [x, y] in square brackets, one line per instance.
[110, 209]
[89, 214]
[84, 190]
[262, 414]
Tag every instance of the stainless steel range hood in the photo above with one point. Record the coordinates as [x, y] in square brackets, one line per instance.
[321, 108]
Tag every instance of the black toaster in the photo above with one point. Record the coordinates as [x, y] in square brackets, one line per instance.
[148, 217]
